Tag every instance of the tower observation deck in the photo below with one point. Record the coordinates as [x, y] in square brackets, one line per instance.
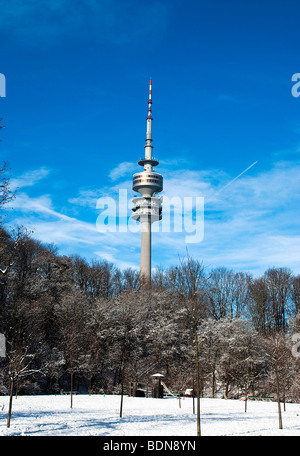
[148, 207]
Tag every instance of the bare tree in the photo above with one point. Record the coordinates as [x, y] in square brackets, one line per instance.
[258, 306]
[279, 354]
[10, 245]
[221, 293]
[211, 348]
[295, 293]
[6, 194]
[189, 280]
[278, 282]
[126, 337]
[19, 367]
[71, 321]
[131, 279]
[227, 293]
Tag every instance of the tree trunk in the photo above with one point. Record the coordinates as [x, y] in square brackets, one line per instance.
[10, 402]
[277, 389]
[71, 393]
[213, 384]
[226, 388]
[246, 397]
[122, 390]
[197, 383]
[121, 403]
[193, 395]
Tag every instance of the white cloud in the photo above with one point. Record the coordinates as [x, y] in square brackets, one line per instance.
[122, 170]
[89, 197]
[251, 224]
[29, 178]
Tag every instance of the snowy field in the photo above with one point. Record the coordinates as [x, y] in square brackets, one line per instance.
[98, 415]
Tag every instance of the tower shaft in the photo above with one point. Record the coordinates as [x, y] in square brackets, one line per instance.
[145, 264]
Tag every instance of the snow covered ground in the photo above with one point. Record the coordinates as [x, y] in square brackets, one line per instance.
[98, 415]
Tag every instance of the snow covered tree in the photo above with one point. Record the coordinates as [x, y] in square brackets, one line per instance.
[241, 355]
[165, 332]
[248, 356]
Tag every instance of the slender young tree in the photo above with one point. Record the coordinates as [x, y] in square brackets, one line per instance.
[19, 367]
[279, 356]
[71, 318]
[189, 280]
[126, 337]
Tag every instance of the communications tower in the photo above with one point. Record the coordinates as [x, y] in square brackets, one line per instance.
[148, 207]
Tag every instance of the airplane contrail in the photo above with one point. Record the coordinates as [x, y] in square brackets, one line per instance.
[233, 180]
[208, 200]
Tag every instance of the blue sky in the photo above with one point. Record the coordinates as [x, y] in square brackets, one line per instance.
[77, 75]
